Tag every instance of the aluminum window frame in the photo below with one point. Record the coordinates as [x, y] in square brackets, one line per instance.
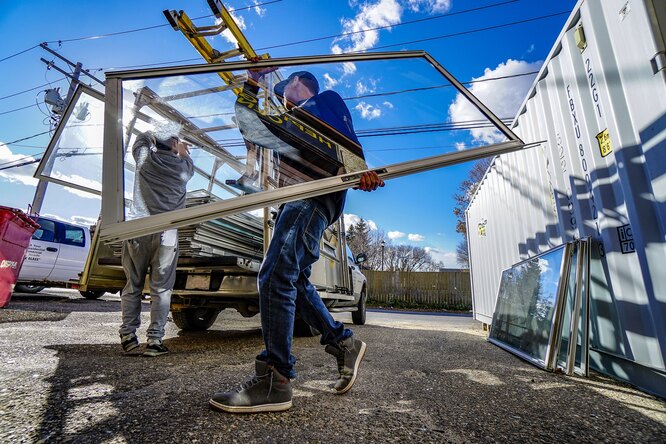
[69, 109]
[113, 227]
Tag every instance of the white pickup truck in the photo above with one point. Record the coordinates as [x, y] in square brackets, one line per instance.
[55, 258]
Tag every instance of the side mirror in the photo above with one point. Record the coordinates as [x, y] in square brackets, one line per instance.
[362, 257]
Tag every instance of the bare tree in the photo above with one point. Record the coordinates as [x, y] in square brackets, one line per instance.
[462, 252]
[408, 258]
[466, 190]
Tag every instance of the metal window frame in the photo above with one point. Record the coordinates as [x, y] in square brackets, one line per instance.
[551, 349]
[114, 228]
[69, 109]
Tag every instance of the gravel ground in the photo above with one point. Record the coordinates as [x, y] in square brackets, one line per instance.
[63, 378]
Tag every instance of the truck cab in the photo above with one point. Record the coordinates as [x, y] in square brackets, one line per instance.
[55, 257]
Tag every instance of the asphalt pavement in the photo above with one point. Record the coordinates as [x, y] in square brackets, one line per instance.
[64, 378]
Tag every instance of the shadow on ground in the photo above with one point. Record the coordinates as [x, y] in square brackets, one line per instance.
[414, 386]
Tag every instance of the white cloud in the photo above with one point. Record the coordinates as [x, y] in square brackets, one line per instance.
[447, 258]
[367, 87]
[22, 174]
[258, 9]
[415, 237]
[353, 219]
[432, 6]
[460, 146]
[368, 112]
[329, 81]
[503, 97]
[388, 104]
[240, 21]
[395, 234]
[79, 180]
[372, 15]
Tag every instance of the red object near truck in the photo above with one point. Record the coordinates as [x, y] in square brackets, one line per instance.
[16, 229]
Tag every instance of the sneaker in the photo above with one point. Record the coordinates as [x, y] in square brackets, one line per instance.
[129, 342]
[349, 354]
[267, 391]
[155, 347]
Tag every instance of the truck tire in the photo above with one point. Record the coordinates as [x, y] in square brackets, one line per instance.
[21, 288]
[92, 294]
[303, 330]
[195, 319]
[358, 316]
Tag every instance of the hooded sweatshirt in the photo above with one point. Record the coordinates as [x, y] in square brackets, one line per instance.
[160, 178]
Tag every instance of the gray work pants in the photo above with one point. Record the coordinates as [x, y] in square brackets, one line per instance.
[159, 253]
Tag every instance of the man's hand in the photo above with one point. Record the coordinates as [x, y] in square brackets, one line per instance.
[256, 74]
[370, 181]
[182, 148]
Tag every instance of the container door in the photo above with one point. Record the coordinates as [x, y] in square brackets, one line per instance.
[42, 253]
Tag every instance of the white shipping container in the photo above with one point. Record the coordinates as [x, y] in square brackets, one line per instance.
[599, 103]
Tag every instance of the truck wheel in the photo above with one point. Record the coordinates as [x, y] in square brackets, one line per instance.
[303, 330]
[358, 316]
[20, 288]
[92, 294]
[196, 319]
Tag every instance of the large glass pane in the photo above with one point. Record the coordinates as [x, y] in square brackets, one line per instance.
[363, 115]
[76, 158]
[525, 307]
[569, 306]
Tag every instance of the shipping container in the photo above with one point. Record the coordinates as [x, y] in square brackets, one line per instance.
[599, 106]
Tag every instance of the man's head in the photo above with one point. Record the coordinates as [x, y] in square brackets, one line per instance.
[298, 86]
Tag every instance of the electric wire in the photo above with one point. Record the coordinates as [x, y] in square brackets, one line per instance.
[32, 89]
[455, 34]
[409, 22]
[19, 109]
[146, 28]
[19, 53]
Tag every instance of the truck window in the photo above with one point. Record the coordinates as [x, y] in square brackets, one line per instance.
[46, 230]
[73, 236]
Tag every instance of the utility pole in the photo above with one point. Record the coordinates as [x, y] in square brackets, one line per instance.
[40, 192]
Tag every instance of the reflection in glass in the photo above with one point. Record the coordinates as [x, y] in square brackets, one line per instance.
[76, 158]
[395, 113]
[526, 303]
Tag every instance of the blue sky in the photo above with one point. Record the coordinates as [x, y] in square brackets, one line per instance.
[415, 210]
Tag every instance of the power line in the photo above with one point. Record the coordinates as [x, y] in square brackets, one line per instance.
[26, 138]
[426, 88]
[345, 34]
[377, 47]
[19, 109]
[471, 31]
[19, 53]
[21, 164]
[146, 28]
[32, 89]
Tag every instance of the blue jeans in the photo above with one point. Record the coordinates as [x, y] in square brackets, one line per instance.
[285, 288]
[159, 253]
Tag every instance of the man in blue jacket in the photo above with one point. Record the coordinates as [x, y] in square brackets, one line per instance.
[284, 286]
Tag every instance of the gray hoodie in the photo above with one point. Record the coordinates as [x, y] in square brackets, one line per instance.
[160, 178]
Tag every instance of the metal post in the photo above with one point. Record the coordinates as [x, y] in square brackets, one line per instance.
[383, 244]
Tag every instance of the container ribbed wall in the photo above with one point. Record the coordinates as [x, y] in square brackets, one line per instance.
[599, 103]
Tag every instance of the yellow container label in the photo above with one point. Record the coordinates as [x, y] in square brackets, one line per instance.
[605, 146]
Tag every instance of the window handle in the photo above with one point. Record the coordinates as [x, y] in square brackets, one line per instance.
[51, 249]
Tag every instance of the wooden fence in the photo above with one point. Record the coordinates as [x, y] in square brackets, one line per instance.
[446, 288]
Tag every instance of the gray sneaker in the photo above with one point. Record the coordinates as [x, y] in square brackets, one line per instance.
[129, 342]
[349, 355]
[267, 391]
[155, 347]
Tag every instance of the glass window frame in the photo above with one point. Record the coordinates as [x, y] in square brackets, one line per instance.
[115, 228]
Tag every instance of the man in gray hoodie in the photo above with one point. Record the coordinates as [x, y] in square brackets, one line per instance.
[163, 167]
